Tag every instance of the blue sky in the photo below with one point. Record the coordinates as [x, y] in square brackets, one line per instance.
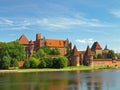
[81, 21]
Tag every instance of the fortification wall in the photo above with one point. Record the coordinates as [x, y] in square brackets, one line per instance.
[105, 62]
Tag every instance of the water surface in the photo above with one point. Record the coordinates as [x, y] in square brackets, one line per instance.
[62, 80]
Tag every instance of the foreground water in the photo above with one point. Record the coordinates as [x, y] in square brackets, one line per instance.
[62, 80]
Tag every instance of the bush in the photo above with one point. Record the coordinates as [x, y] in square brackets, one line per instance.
[46, 63]
[55, 51]
[49, 62]
[26, 64]
[5, 62]
[60, 62]
[33, 62]
[100, 56]
[14, 63]
[42, 64]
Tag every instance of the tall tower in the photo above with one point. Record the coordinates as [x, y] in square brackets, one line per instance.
[75, 57]
[88, 57]
[38, 36]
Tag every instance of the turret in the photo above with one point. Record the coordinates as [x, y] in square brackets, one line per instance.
[75, 57]
[88, 57]
[38, 36]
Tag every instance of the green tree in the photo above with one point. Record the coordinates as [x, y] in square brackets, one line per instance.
[26, 64]
[5, 62]
[94, 56]
[16, 50]
[60, 62]
[40, 54]
[55, 51]
[33, 62]
[111, 54]
[42, 64]
[46, 49]
[14, 63]
[100, 56]
[49, 62]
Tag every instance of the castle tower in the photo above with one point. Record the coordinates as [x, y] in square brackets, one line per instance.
[75, 57]
[88, 57]
[96, 48]
[38, 36]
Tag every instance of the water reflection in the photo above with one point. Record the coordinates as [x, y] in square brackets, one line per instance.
[72, 80]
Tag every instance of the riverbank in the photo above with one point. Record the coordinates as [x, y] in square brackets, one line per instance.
[70, 68]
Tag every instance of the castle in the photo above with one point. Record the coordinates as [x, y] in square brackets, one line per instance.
[76, 57]
[31, 46]
[87, 57]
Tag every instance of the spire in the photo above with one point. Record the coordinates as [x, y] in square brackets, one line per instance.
[105, 47]
[75, 51]
[88, 51]
[96, 46]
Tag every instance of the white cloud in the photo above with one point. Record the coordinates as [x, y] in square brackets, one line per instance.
[116, 13]
[85, 41]
[51, 22]
[64, 22]
[4, 21]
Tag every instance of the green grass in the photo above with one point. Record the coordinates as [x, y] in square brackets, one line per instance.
[69, 68]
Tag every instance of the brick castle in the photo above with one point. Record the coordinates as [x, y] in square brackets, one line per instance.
[76, 58]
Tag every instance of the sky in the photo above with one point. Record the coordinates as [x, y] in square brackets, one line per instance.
[81, 21]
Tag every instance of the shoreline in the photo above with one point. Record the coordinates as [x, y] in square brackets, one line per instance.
[54, 70]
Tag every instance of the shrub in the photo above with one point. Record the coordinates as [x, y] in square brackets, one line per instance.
[60, 62]
[14, 63]
[33, 62]
[100, 56]
[26, 64]
[42, 64]
[5, 62]
[49, 62]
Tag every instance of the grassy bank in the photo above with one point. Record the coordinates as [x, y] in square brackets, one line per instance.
[69, 68]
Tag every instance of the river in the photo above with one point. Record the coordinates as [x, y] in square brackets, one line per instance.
[62, 80]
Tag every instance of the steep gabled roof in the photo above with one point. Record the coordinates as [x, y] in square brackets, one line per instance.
[23, 39]
[96, 46]
[88, 51]
[75, 51]
[55, 43]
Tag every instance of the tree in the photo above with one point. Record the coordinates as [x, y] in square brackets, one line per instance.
[33, 62]
[5, 62]
[100, 56]
[111, 54]
[11, 53]
[94, 56]
[55, 51]
[46, 49]
[14, 63]
[60, 62]
[26, 64]
[40, 54]
[16, 50]
[42, 64]
[49, 62]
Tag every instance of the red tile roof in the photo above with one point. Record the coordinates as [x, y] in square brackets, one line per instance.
[55, 43]
[75, 51]
[96, 46]
[23, 39]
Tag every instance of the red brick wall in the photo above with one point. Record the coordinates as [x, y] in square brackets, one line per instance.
[105, 62]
